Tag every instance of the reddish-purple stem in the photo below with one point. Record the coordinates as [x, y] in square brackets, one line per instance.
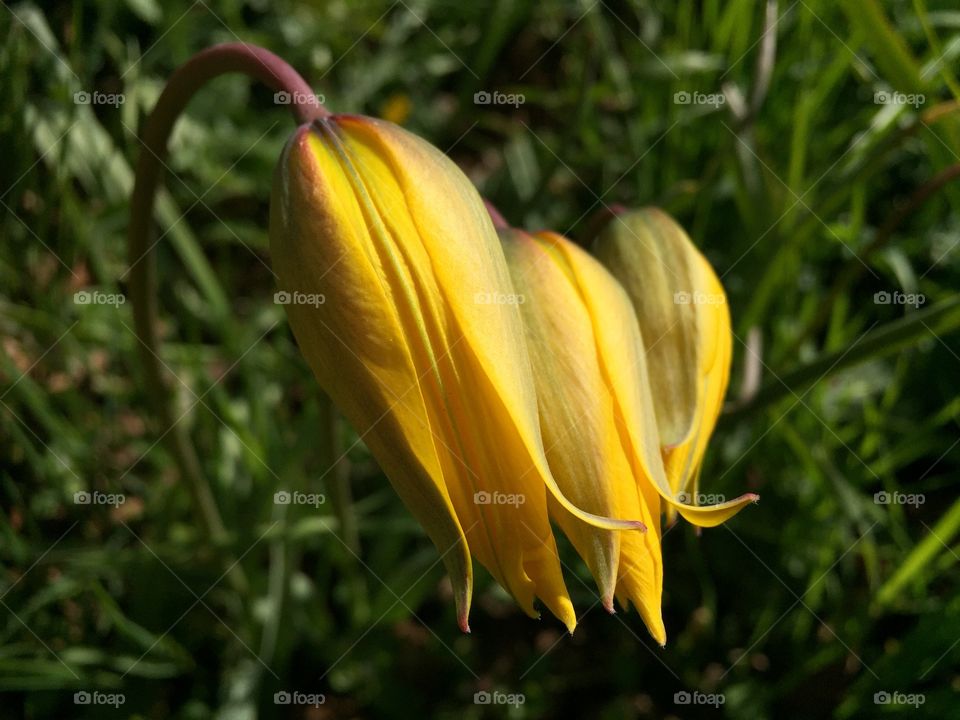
[218, 60]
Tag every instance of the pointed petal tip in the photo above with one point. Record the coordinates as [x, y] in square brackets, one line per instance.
[608, 605]
[711, 515]
[659, 634]
[463, 596]
[568, 617]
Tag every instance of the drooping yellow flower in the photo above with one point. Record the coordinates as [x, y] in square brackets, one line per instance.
[685, 323]
[596, 414]
[393, 275]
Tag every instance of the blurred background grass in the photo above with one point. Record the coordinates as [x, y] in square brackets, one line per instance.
[808, 189]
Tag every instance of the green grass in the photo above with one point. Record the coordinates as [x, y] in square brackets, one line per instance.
[806, 195]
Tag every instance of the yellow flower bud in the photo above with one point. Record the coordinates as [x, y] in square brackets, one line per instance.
[415, 348]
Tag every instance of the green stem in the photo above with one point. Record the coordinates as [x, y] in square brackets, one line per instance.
[920, 557]
[183, 84]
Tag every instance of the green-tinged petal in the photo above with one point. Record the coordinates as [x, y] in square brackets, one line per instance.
[686, 351]
[653, 271]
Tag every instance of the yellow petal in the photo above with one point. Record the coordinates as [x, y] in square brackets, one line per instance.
[587, 446]
[640, 575]
[354, 340]
[575, 410]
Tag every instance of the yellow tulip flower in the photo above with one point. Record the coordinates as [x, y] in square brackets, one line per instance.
[394, 283]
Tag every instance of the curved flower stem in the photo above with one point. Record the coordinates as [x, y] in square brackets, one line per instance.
[183, 84]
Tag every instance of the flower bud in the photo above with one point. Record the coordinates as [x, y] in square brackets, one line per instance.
[436, 381]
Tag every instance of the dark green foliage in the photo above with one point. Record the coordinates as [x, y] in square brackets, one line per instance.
[799, 190]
